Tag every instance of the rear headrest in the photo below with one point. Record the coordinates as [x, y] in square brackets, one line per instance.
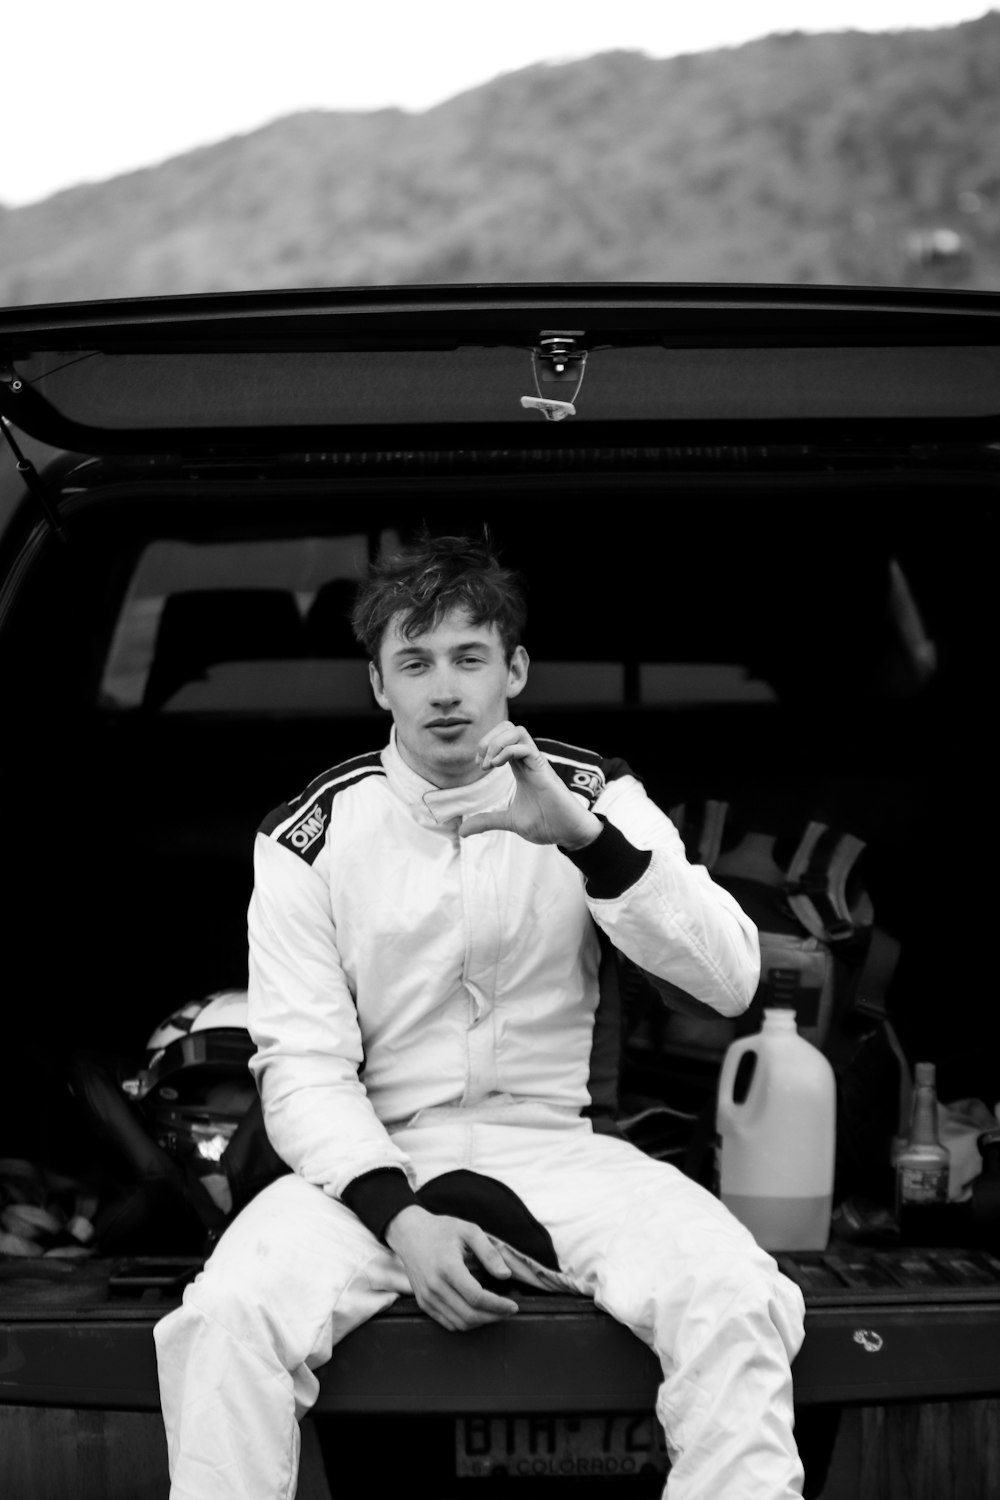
[327, 629]
[206, 626]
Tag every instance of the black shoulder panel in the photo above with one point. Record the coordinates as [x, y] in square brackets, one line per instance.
[581, 770]
[301, 823]
[612, 768]
[584, 771]
[575, 753]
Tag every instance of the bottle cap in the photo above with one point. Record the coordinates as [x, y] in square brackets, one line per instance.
[924, 1073]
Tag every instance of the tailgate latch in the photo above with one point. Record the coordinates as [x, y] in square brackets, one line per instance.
[556, 359]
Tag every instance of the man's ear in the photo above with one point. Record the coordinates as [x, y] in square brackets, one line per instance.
[375, 678]
[517, 671]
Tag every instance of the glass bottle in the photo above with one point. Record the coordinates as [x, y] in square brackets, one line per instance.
[922, 1167]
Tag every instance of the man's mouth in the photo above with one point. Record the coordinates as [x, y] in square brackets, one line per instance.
[447, 723]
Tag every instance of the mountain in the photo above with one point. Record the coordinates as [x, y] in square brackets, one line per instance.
[842, 157]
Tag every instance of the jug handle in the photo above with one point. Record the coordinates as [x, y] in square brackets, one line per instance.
[735, 1054]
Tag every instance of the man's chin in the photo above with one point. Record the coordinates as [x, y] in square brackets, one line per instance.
[442, 761]
[452, 761]
[457, 764]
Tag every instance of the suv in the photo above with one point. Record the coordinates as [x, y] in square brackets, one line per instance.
[761, 533]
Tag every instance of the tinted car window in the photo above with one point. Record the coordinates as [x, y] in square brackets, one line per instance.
[249, 626]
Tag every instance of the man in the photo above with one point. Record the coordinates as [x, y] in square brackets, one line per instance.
[425, 995]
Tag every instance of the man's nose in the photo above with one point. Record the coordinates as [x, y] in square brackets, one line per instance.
[445, 687]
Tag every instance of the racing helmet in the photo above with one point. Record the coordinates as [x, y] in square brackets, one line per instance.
[196, 1086]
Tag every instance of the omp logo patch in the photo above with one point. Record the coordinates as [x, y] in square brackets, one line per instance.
[303, 834]
[588, 782]
[869, 1340]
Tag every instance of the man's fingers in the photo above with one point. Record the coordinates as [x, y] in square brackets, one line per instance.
[496, 737]
[484, 1300]
[482, 822]
[489, 1255]
[505, 742]
[434, 1251]
[499, 755]
[463, 1304]
[479, 1297]
[476, 1303]
[463, 1322]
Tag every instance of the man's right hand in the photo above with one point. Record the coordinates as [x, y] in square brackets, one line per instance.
[435, 1251]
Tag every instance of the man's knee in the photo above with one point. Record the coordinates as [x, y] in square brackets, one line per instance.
[697, 1299]
[286, 1302]
[221, 1308]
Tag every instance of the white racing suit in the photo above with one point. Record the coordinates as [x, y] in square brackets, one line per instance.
[423, 1003]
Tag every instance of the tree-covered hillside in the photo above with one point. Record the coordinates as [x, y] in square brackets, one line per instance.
[842, 157]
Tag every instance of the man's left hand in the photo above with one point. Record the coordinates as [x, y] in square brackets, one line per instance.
[544, 810]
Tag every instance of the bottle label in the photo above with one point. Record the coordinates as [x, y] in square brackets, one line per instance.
[923, 1184]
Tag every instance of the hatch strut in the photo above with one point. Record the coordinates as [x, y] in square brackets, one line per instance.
[33, 481]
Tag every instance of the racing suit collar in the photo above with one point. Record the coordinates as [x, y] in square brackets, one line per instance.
[445, 804]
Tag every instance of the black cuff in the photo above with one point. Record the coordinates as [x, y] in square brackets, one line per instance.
[377, 1197]
[610, 864]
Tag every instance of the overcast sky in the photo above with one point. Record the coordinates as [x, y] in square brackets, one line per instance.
[92, 88]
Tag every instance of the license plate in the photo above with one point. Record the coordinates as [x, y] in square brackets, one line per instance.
[543, 1447]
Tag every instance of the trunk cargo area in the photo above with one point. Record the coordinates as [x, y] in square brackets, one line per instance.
[130, 836]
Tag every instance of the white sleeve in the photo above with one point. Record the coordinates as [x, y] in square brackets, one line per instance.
[303, 1019]
[673, 920]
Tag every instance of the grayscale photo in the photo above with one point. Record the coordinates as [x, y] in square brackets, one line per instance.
[497, 641]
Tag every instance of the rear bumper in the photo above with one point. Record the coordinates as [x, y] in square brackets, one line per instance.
[558, 1355]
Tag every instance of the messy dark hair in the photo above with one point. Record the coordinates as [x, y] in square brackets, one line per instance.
[427, 580]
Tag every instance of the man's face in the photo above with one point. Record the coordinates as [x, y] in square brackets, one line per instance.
[445, 690]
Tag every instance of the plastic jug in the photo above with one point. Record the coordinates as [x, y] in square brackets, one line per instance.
[776, 1121]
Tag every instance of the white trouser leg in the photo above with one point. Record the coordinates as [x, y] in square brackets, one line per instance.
[665, 1258]
[293, 1274]
[297, 1271]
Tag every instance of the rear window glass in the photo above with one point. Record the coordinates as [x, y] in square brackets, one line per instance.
[262, 626]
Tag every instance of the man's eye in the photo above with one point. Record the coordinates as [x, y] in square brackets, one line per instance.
[470, 661]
